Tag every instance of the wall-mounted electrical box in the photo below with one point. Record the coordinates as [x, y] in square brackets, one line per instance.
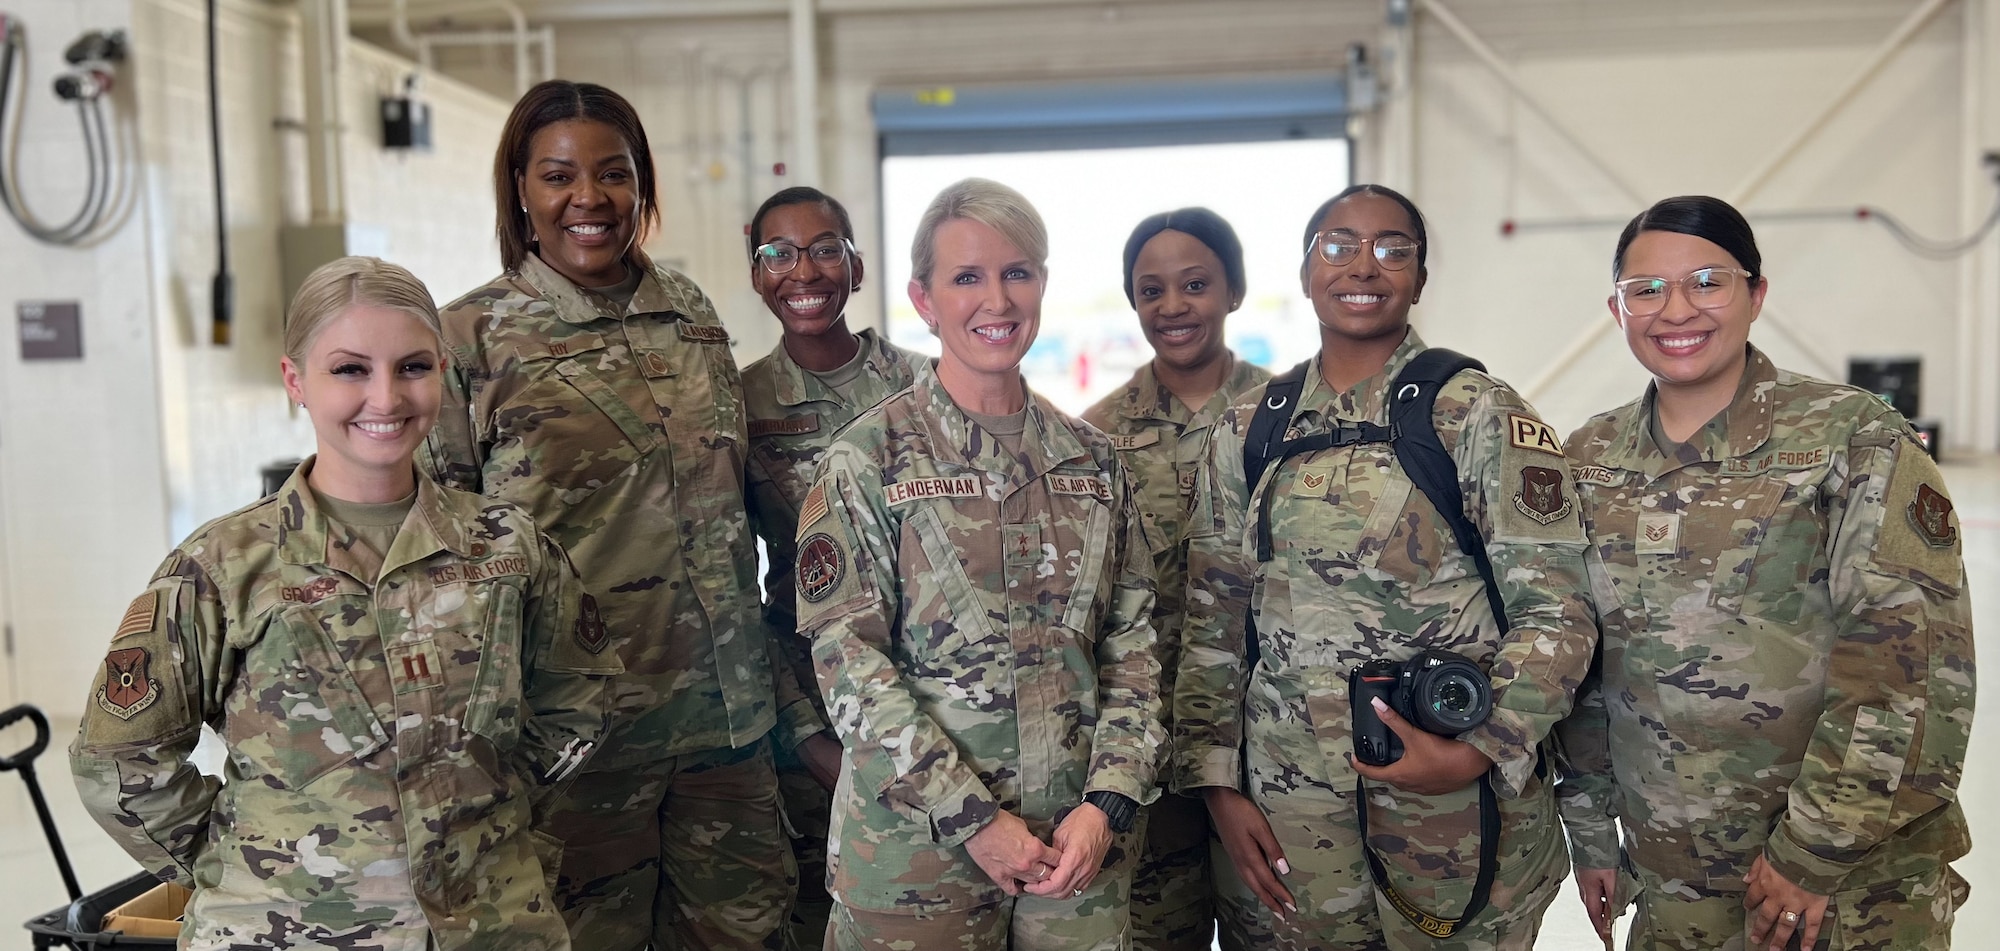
[406, 123]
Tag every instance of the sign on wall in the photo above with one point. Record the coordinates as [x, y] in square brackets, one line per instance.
[51, 330]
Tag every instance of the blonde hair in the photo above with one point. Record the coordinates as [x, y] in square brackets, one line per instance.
[337, 285]
[991, 204]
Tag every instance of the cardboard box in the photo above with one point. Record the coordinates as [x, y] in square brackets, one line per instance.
[156, 914]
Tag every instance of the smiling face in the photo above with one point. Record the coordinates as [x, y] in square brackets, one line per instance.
[1684, 346]
[984, 300]
[370, 383]
[582, 198]
[1362, 300]
[809, 299]
[1182, 295]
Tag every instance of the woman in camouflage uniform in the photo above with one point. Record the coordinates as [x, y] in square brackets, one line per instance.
[402, 675]
[976, 583]
[1362, 567]
[1786, 684]
[1184, 275]
[819, 377]
[596, 390]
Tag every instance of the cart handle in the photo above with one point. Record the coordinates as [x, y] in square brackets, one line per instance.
[24, 758]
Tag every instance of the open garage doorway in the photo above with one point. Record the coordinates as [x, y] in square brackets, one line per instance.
[1097, 159]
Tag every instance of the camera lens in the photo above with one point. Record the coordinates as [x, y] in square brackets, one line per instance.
[1451, 696]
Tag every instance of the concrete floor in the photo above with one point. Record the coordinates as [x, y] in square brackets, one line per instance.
[29, 884]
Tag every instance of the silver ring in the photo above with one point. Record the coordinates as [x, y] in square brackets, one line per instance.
[1790, 916]
[1076, 894]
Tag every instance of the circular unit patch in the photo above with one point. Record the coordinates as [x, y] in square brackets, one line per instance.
[822, 565]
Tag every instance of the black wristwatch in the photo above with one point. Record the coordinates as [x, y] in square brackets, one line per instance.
[1118, 807]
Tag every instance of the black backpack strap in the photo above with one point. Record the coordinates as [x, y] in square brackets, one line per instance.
[1262, 442]
[1412, 397]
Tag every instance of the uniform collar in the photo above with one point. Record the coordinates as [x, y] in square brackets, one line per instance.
[304, 539]
[1045, 444]
[1368, 400]
[1145, 397]
[575, 305]
[794, 385]
[1746, 424]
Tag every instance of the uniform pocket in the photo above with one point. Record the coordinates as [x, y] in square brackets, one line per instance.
[1765, 566]
[964, 619]
[313, 718]
[1872, 767]
[494, 711]
[578, 433]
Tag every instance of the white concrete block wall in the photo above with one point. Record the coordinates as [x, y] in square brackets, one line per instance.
[82, 493]
[106, 463]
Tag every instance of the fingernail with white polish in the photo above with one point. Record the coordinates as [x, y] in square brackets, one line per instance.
[1379, 706]
[1283, 867]
[1294, 909]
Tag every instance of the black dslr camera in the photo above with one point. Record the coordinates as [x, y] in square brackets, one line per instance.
[1439, 692]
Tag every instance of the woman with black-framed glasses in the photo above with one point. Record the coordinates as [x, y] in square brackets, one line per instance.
[1782, 706]
[1336, 557]
[819, 377]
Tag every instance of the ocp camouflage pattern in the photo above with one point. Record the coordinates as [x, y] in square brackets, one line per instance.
[981, 629]
[1363, 568]
[793, 417]
[393, 738]
[1161, 441]
[622, 433]
[1788, 658]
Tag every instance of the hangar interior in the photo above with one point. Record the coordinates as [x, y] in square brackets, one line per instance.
[1862, 138]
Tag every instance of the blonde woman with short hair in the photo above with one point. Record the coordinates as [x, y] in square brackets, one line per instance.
[977, 587]
[404, 675]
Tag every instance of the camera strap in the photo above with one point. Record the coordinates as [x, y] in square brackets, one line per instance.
[1482, 886]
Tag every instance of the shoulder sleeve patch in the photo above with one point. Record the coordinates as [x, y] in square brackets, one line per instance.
[1919, 535]
[822, 566]
[1527, 432]
[129, 688]
[138, 617]
[1541, 497]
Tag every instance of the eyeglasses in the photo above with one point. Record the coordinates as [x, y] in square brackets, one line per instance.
[779, 257]
[1710, 288]
[1393, 251]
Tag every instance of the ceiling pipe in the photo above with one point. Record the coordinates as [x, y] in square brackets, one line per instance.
[805, 93]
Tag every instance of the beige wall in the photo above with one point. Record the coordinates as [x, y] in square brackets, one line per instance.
[1723, 83]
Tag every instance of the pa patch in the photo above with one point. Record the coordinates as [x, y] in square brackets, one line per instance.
[1930, 515]
[128, 684]
[821, 567]
[591, 634]
[1541, 497]
[1527, 432]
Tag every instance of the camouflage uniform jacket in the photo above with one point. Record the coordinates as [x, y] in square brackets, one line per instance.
[1161, 443]
[980, 625]
[1363, 568]
[621, 432]
[1787, 665]
[793, 416]
[391, 736]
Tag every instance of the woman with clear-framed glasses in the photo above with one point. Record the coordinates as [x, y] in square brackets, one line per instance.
[1781, 708]
[819, 377]
[1358, 566]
